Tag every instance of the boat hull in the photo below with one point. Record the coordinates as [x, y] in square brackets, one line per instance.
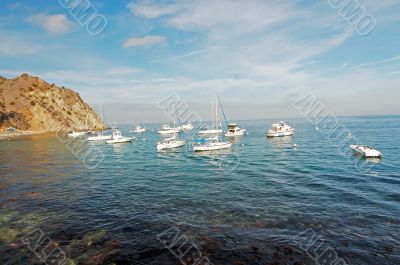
[77, 134]
[119, 141]
[365, 151]
[233, 134]
[99, 138]
[170, 145]
[279, 134]
[168, 132]
[212, 147]
[209, 132]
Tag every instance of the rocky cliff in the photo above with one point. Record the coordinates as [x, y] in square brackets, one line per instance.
[29, 103]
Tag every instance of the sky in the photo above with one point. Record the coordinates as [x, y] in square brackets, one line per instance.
[259, 56]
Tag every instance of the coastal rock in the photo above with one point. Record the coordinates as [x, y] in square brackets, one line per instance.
[29, 103]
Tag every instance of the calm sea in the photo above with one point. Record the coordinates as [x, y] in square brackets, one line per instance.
[294, 200]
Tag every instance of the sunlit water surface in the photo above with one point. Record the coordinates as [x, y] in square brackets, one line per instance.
[247, 205]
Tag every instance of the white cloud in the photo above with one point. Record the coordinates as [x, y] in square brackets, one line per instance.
[378, 62]
[58, 23]
[148, 9]
[16, 45]
[174, 58]
[144, 41]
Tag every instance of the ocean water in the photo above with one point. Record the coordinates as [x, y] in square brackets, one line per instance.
[293, 200]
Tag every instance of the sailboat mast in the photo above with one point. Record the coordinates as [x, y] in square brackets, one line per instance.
[223, 112]
[101, 119]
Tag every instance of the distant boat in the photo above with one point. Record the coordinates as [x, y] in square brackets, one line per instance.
[280, 129]
[78, 134]
[139, 129]
[166, 129]
[366, 151]
[186, 127]
[211, 144]
[170, 143]
[118, 138]
[100, 136]
[234, 130]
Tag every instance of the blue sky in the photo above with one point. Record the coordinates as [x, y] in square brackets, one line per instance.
[259, 56]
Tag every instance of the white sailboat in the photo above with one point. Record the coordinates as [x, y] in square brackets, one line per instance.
[170, 143]
[100, 136]
[211, 144]
[118, 138]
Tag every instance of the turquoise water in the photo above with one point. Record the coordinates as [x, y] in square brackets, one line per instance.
[253, 204]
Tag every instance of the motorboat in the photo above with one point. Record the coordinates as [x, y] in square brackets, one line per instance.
[210, 144]
[118, 138]
[99, 136]
[234, 130]
[139, 129]
[166, 129]
[186, 127]
[366, 151]
[78, 134]
[170, 143]
[280, 129]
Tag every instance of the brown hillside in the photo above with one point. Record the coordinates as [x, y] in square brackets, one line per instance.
[29, 103]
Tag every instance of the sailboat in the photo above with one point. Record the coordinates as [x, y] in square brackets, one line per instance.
[171, 142]
[215, 127]
[100, 136]
[213, 143]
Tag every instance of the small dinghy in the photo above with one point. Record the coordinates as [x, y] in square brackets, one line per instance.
[366, 151]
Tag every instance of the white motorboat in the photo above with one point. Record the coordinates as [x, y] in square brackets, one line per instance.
[234, 130]
[166, 129]
[211, 144]
[170, 143]
[139, 129]
[186, 127]
[77, 134]
[99, 136]
[366, 151]
[280, 129]
[118, 138]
